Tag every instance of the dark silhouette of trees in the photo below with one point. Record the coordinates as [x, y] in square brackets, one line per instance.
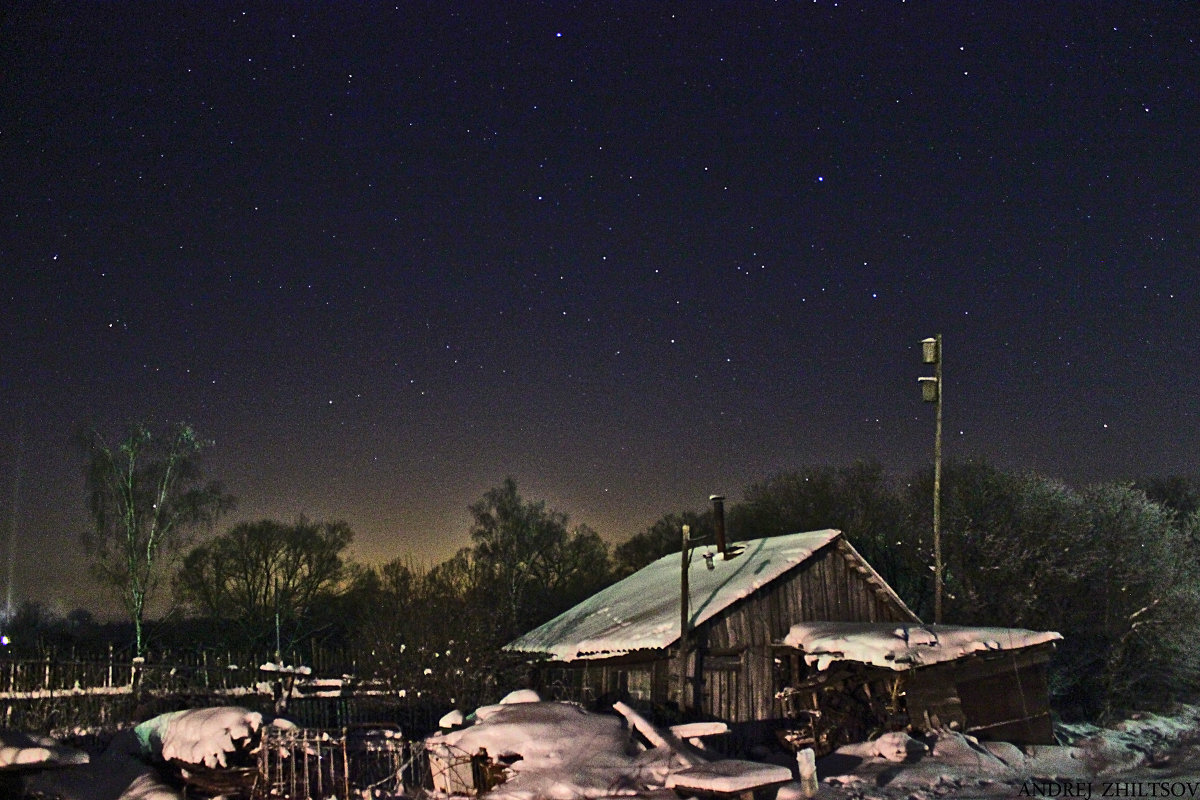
[1178, 493]
[662, 538]
[35, 631]
[1113, 567]
[860, 500]
[524, 564]
[1112, 570]
[267, 577]
[147, 498]
[440, 631]
[1145, 600]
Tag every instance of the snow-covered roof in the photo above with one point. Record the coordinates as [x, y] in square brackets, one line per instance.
[641, 612]
[901, 646]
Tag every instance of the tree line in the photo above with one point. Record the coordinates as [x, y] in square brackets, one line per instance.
[1114, 567]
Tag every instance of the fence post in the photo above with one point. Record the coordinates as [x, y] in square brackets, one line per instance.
[135, 676]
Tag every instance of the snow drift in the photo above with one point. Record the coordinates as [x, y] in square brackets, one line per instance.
[557, 751]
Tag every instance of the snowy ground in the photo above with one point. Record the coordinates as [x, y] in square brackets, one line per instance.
[1153, 756]
[133, 765]
[558, 751]
[567, 753]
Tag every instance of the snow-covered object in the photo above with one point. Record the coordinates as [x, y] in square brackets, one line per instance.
[555, 751]
[642, 611]
[451, 719]
[1128, 745]
[953, 761]
[520, 696]
[200, 735]
[284, 669]
[695, 730]
[895, 746]
[150, 786]
[901, 646]
[728, 776]
[958, 764]
[794, 790]
[679, 754]
[119, 773]
[22, 750]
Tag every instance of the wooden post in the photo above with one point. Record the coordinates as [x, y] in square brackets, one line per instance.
[683, 621]
[806, 761]
[931, 392]
[135, 676]
[938, 567]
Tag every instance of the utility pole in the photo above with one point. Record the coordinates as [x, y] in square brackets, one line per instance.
[683, 620]
[931, 392]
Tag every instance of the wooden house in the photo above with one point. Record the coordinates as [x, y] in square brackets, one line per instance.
[624, 640]
[758, 658]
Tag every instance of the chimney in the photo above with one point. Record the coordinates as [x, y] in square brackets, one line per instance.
[718, 503]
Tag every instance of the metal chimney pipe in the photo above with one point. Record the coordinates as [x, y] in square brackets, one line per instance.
[718, 503]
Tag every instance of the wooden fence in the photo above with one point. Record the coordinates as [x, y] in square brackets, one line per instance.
[202, 670]
[54, 693]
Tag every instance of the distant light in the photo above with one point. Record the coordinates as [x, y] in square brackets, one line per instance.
[4, 640]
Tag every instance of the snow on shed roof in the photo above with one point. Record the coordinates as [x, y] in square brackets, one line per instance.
[641, 612]
[901, 646]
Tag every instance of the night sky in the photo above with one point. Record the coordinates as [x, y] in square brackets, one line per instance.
[629, 253]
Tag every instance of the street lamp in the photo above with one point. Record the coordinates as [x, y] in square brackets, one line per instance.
[931, 392]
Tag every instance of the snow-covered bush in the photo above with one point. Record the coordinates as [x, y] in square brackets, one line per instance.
[1115, 572]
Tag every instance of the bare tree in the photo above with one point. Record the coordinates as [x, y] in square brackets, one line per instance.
[147, 498]
[527, 563]
[261, 575]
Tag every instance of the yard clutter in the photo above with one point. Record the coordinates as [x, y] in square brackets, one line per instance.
[208, 737]
[727, 777]
[139, 762]
[560, 751]
[848, 681]
[228, 751]
[546, 750]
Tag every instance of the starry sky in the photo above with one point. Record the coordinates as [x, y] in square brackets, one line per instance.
[628, 253]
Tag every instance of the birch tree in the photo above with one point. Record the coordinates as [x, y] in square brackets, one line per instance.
[147, 498]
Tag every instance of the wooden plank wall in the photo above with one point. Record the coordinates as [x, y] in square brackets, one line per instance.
[1008, 698]
[832, 585]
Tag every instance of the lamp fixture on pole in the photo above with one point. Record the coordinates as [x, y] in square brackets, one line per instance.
[931, 392]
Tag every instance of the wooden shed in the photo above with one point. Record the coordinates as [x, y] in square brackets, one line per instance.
[625, 639]
[848, 680]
